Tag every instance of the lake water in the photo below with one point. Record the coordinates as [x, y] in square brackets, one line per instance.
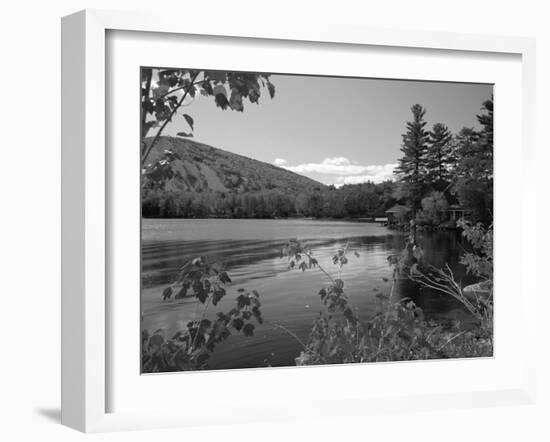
[251, 251]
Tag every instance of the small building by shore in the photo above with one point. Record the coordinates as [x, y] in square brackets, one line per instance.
[398, 214]
[456, 212]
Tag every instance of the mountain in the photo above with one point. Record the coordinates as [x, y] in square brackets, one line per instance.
[203, 168]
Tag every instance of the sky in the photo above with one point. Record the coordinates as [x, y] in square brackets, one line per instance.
[334, 130]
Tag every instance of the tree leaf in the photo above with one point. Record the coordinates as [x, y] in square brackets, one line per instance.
[224, 277]
[218, 76]
[237, 323]
[243, 301]
[181, 293]
[271, 89]
[348, 313]
[220, 90]
[248, 329]
[220, 97]
[189, 120]
[162, 89]
[218, 294]
[207, 89]
[236, 101]
[167, 293]
[257, 314]
[221, 101]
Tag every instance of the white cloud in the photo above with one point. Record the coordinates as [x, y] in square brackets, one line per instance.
[347, 171]
[337, 161]
[331, 166]
[279, 162]
[376, 174]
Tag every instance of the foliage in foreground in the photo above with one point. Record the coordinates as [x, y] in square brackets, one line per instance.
[397, 332]
[477, 298]
[191, 348]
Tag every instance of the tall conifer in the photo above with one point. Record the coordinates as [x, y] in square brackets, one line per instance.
[412, 166]
[439, 156]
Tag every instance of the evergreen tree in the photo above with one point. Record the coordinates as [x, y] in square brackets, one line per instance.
[412, 166]
[466, 145]
[439, 156]
[486, 121]
[474, 183]
[485, 168]
[465, 153]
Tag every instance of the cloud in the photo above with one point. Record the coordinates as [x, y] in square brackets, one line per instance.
[337, 161]
[347, 171]
[279, 162]
[330, 166]
[376, 174]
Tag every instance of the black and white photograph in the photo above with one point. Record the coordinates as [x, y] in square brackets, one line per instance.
[295, 220]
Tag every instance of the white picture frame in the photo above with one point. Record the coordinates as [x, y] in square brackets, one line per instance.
[86, 315]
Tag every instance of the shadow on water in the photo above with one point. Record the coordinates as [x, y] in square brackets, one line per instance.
[289, 298]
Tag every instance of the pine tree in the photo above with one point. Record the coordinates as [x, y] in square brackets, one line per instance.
[439, 156]
[486, 142]
[486, 121]
[412, 166]
[466, 152]
[474, 183]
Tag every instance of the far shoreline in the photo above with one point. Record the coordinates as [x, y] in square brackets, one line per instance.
[370, 220]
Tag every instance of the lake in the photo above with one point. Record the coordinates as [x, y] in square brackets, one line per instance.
[251, 251]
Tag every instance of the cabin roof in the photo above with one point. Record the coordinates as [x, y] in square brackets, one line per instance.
[398, 208]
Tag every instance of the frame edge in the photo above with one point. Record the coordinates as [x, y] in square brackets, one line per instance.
[83, 290]
[73, 362]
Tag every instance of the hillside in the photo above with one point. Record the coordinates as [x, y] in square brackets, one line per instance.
[203, 168]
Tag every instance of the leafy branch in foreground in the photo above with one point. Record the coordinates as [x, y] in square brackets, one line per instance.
[164, 92]
[191, 348]
[476, 298]
[397, 331]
